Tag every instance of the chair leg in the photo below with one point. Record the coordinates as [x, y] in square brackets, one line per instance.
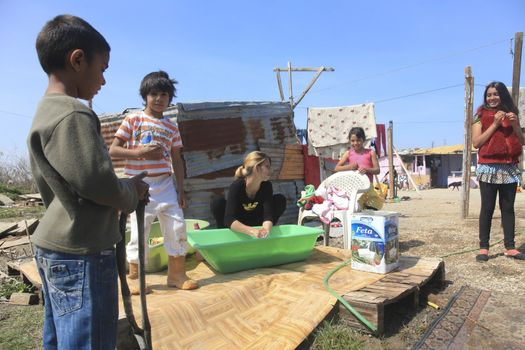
[326, 238]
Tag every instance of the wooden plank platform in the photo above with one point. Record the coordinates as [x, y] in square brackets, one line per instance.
[281, 305]
[401, 286]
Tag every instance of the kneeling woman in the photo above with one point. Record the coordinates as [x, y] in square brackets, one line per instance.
[251, 201]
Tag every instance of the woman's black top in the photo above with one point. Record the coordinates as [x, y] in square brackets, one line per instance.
[250, 211]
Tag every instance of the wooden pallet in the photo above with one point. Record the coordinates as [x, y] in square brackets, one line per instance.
[401, 286]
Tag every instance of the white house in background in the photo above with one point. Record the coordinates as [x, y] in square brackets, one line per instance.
[434, 167]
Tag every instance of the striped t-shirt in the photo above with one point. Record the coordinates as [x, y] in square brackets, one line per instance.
[140, 129]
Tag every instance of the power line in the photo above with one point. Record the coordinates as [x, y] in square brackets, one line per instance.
[17, 114]
[409, 66]
[417, 93]
[94, 104]
[412, 94]
[431, 122]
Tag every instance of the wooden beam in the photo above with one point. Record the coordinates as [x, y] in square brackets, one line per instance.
[290, 82]
[312, 82]
[281, 93]
[467, 147]
[289, 69]
[325, 69]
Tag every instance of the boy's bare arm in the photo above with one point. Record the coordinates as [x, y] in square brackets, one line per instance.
[117, 150]
[178, 169]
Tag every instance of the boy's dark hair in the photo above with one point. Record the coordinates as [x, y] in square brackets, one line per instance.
[63, 34]
[158, 81]
[358, 132]
[506, 102]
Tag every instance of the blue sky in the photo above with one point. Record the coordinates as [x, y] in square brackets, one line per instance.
[382, 51]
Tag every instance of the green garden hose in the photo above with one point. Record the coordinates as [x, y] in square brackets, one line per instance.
[356, 313]
[349, 307]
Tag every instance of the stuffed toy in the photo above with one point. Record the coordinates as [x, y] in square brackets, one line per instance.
[309, 198]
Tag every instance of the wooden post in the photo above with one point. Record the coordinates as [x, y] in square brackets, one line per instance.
[516, 68]
[290, 83]
[390, 145]
[467, 147]
[516, 72]
[281, 93]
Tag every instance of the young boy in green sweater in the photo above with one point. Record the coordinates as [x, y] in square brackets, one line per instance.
[75, 240]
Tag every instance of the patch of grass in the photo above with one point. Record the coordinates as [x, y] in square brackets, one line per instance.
[336, 336]
[10, 191]
[14, 286]
[22, 212]
[21, 326]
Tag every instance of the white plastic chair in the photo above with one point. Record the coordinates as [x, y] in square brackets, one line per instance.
[353, 183]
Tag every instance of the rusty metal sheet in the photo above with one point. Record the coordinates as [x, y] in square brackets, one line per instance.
[216, 136]
[287, 160]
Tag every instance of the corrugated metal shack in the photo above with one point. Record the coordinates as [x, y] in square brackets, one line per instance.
[217, 135]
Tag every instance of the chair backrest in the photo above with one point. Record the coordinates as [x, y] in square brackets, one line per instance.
[348, 181]
[352, 182]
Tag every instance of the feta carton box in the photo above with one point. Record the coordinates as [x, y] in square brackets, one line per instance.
[374, 241]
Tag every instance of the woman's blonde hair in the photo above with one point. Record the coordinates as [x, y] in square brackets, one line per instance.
[251, 161]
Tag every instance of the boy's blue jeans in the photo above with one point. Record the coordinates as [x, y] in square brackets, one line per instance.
[80, 299]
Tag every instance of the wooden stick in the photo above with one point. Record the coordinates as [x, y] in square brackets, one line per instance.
[29, 237]
[390, 147]
[467, 148]
[290, 82]
[281, 93]
[406, 172]
[326, 69]
[312, 82]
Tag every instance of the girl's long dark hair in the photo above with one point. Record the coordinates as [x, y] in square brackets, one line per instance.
[506, 103]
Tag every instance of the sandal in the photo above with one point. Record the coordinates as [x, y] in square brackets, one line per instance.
[483, 255]
[514, 254]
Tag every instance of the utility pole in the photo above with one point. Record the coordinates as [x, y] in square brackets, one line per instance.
[467, 147]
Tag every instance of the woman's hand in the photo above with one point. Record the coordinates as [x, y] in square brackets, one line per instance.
[498, 118]
[512, 118]
[258, 232]
[353, 166]
[363, 171]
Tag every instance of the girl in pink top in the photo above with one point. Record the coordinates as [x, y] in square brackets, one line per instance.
[359, 158]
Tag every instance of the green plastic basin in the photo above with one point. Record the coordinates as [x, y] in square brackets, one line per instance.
[227, 251]
[157, 259]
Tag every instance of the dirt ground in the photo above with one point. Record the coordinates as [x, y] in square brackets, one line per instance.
[430, 225]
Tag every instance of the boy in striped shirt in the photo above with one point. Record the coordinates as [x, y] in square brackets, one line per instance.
[154, 145]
